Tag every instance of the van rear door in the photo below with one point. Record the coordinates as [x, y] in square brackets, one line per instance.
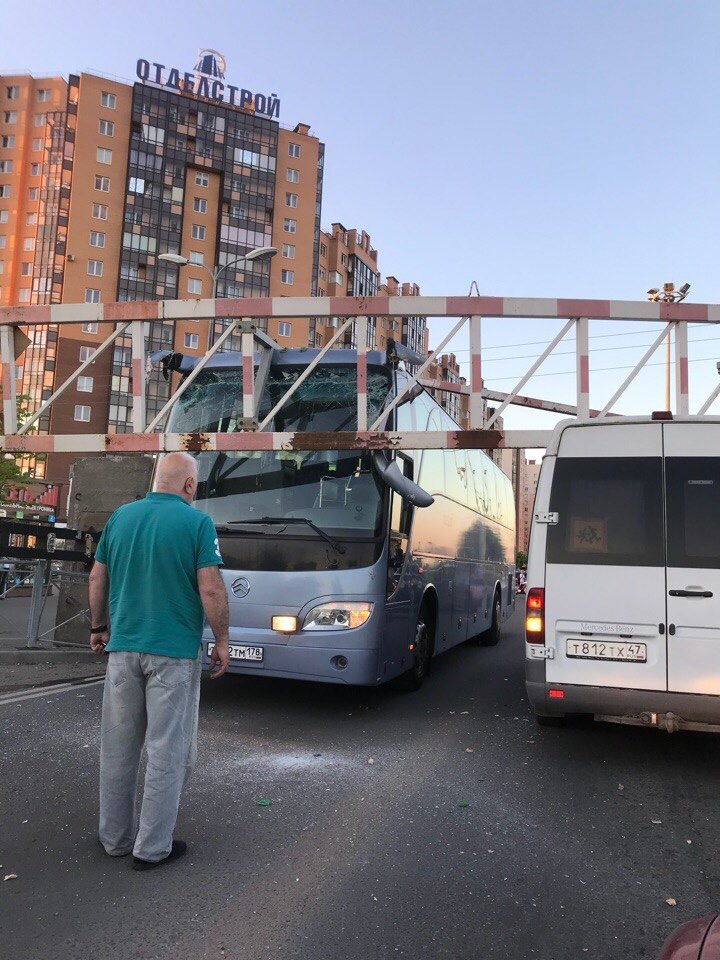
[693, 556]
[605, 562]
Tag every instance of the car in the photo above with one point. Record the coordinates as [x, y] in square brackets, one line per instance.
[698, 939]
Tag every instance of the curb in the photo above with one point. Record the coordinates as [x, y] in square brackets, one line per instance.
[21, 655]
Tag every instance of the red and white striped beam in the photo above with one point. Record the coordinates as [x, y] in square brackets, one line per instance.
[280, 307]
[84, 443]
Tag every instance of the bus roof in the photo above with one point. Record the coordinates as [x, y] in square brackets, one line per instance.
[287, 358]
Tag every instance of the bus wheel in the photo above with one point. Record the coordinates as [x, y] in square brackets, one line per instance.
[492, 636]
[413, 678]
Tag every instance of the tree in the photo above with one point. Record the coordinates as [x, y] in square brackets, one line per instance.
[521, 560]
[11, 473]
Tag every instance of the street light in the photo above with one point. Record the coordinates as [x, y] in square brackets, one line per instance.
[259, 253]
[668, 294]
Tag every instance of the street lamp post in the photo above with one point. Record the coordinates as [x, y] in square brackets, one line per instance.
[668, 294]
[259, 253]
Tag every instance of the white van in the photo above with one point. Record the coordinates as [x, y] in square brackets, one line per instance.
[623, 602]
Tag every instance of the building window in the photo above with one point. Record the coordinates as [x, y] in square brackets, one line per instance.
[10, 116]
[293, 149]
[343, 259]
[37, 144]
[6, 166]
[293, 176]
[192, 340]
[34, 193]
[4, 216]
[321, 272]
[196, 257]
[95, 268]
[108, 100]
[97, 239]
[198, 232]
[34, 169]
[7, 142]
[99, 211]
[102, 183]
[202, 179]
[24, 295]
[106, 128]
[91, 327]
[284, 329]
[25, 269]
[29, 243]
[323, 250]
[82, 413]
[92, 296]
[12, 93]
[290, 225]
[4, 191]
[2, 266]
[287, 276]
[3, 242]
[194, 285]
[85, 384]
[335, 277]
[39, 120]
[199, 205]
[43, 95]
[86, 353]
[104, 155]
[291, 199]
[288, 251]
[321, 292]
[136, 185]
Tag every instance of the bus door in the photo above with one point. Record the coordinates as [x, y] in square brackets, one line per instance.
[605, 562]
[693, 556]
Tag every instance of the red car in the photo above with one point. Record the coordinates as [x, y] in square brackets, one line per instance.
[696, 940]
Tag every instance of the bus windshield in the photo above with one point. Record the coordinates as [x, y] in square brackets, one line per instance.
[336, 490]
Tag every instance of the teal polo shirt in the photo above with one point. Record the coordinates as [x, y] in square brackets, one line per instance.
[153, 549]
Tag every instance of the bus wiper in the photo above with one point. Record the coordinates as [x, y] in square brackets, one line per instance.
[333, 543]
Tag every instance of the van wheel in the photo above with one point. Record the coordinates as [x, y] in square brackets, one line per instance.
[491, 637]
[413, 678]
[550, 720]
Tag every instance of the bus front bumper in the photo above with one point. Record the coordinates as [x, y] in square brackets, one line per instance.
[331, 662]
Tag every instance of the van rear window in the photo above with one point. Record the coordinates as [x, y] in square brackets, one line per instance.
[693, 511]
[609, 511]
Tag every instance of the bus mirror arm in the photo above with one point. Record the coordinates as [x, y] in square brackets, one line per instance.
[391, 474]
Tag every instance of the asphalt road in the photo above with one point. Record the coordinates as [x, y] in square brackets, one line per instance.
[525, 847]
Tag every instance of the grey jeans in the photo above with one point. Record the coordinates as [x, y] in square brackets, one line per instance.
[153, 701]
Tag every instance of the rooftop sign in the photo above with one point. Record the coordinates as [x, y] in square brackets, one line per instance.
[208, 80]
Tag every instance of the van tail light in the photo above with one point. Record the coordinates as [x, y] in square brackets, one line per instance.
[535, 615]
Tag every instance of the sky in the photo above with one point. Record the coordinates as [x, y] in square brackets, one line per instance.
[538, 147]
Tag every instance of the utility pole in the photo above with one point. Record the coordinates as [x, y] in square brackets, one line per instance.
[668, 294]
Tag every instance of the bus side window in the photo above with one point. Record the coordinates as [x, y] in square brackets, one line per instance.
[400, 523]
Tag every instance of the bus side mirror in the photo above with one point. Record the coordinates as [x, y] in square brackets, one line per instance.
[391, 474]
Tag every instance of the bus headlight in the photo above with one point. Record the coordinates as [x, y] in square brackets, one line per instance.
[338, 615]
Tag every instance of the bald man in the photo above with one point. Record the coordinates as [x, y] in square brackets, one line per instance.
[157, 570]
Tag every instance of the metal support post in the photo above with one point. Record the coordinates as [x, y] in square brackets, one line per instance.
[477, 403]
[682, 395]
[138, 375]
[636, 369]
[361, 333]
[582, 349]
[7, 359]
[42, 567]
[247, 346]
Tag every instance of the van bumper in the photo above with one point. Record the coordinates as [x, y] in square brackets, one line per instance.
[644, 707]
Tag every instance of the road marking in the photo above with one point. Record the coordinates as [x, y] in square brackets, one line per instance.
[34, 692]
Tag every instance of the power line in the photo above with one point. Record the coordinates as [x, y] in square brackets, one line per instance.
[564, 373]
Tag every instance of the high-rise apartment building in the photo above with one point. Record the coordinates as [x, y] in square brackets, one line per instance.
[99, 179]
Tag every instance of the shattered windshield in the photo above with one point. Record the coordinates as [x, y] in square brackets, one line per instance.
[337, 490]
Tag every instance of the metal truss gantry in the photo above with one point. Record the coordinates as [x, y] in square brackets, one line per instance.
[469, 311]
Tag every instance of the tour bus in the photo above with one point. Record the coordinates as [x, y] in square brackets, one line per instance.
[341, 566]
[623, 602]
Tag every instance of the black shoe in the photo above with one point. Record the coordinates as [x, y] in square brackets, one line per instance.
[179, 849]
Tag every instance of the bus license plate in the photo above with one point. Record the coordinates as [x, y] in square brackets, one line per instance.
[239, 651]
[606, 650]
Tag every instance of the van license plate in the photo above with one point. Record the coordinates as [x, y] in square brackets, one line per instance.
[606, 650]
[241, 652]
